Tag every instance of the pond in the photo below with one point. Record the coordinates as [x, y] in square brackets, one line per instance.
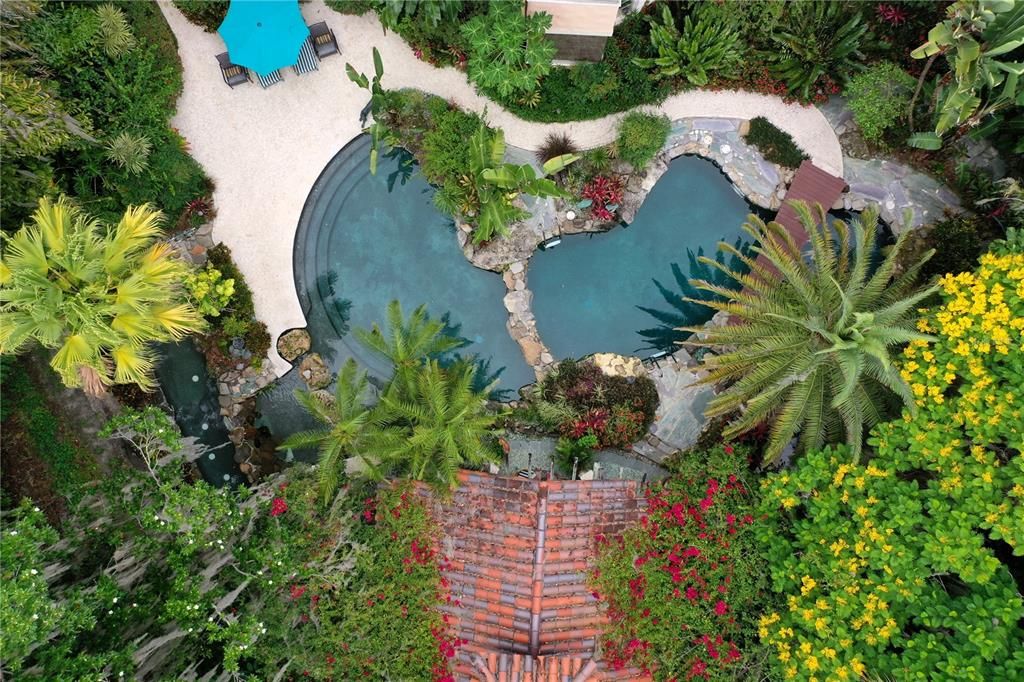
[621, 291]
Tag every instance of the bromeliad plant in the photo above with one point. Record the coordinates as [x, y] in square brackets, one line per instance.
[98, 294]
[706, 47]
[810, 350]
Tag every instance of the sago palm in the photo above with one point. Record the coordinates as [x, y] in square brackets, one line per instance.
[436, 425]
[98, 294]
[407, 343]
[346, 421]
[808, 346]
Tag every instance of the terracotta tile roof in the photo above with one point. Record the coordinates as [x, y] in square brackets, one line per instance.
[518, 551]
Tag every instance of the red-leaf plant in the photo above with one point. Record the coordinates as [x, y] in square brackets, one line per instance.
[603, 191]
[681, 587]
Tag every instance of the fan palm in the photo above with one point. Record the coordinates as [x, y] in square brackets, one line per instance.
[434, 427]
[346, 421]
[809, 351]
[407, 342]
[98, 294]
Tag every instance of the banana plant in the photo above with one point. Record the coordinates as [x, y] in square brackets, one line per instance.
[972, 38]
[491, 186]
[378, 103]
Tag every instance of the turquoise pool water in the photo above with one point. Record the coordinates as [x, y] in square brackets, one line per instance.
[364, 240]
[621, 291]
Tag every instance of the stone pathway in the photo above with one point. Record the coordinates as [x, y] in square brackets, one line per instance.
[895, 187]
[265, 148]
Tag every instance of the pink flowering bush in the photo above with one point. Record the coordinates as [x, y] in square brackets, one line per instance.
[683, 588]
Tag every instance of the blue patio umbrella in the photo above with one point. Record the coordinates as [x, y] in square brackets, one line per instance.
[264, 35]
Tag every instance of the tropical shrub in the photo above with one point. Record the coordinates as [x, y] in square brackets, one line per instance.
[684, 587]
[980, 84]
[238, 320]
[100, 295]
[575, 455]
[117, 69]
[206, 13]
[809, 353]
[958, 242]
[429, 12]
[151, 574]
[587, 91]
[899, 567]
[820, 49]
[584, 387]
[641, 137]
[706, 46]
[209, 290]
[774, 144]
[878, 98]
[509, 52]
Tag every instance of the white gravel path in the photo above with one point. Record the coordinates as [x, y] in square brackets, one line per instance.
[265, 148]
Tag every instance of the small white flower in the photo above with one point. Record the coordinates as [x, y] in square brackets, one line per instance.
[110, 613]
[210, 619]
[190, 629]
[134, 605]
[14, 532]
[35, 616]
[34, 572]
[35, 509]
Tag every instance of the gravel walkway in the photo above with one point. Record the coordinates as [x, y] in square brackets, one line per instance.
[265, 148]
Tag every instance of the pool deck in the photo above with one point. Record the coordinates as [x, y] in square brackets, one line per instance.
[265, 148]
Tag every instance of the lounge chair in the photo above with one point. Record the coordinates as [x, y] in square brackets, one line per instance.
[308, 61]
[323, 40]
[233, 74]
[271, 78]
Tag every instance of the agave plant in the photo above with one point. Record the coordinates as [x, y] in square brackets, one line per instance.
[824, 41]
[705, 47]
[346, 426]
[436, 425]
[809, 350]
[98, 294]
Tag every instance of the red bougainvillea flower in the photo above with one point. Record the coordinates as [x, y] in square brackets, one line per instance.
[721, 608]
[278, 506]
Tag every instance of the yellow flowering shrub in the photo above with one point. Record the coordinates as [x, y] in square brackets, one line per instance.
[888, 568]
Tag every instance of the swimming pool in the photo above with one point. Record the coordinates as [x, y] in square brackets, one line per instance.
[364, 240]
[621, 291]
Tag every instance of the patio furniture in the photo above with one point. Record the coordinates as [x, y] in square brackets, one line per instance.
[323, 40]
[271, 78]
[264, 36]
[233, 74]
[308, 61]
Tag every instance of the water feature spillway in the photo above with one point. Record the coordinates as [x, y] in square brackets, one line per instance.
[193, 395]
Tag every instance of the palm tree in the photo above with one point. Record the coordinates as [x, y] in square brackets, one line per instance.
[346, 421]
[98, 294]
[407, 343]
[809, 348]
[436, 425]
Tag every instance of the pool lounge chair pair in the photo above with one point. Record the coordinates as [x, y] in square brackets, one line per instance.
[321, 43]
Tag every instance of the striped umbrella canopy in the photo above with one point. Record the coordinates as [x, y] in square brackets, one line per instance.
[264, 35]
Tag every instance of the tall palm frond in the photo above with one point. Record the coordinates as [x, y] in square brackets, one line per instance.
[96, 294]
[346, 421]
[437, 425]
[808, 347]
[407, 343]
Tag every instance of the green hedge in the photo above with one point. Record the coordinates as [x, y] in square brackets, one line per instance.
[206, 13]
[775, 145]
